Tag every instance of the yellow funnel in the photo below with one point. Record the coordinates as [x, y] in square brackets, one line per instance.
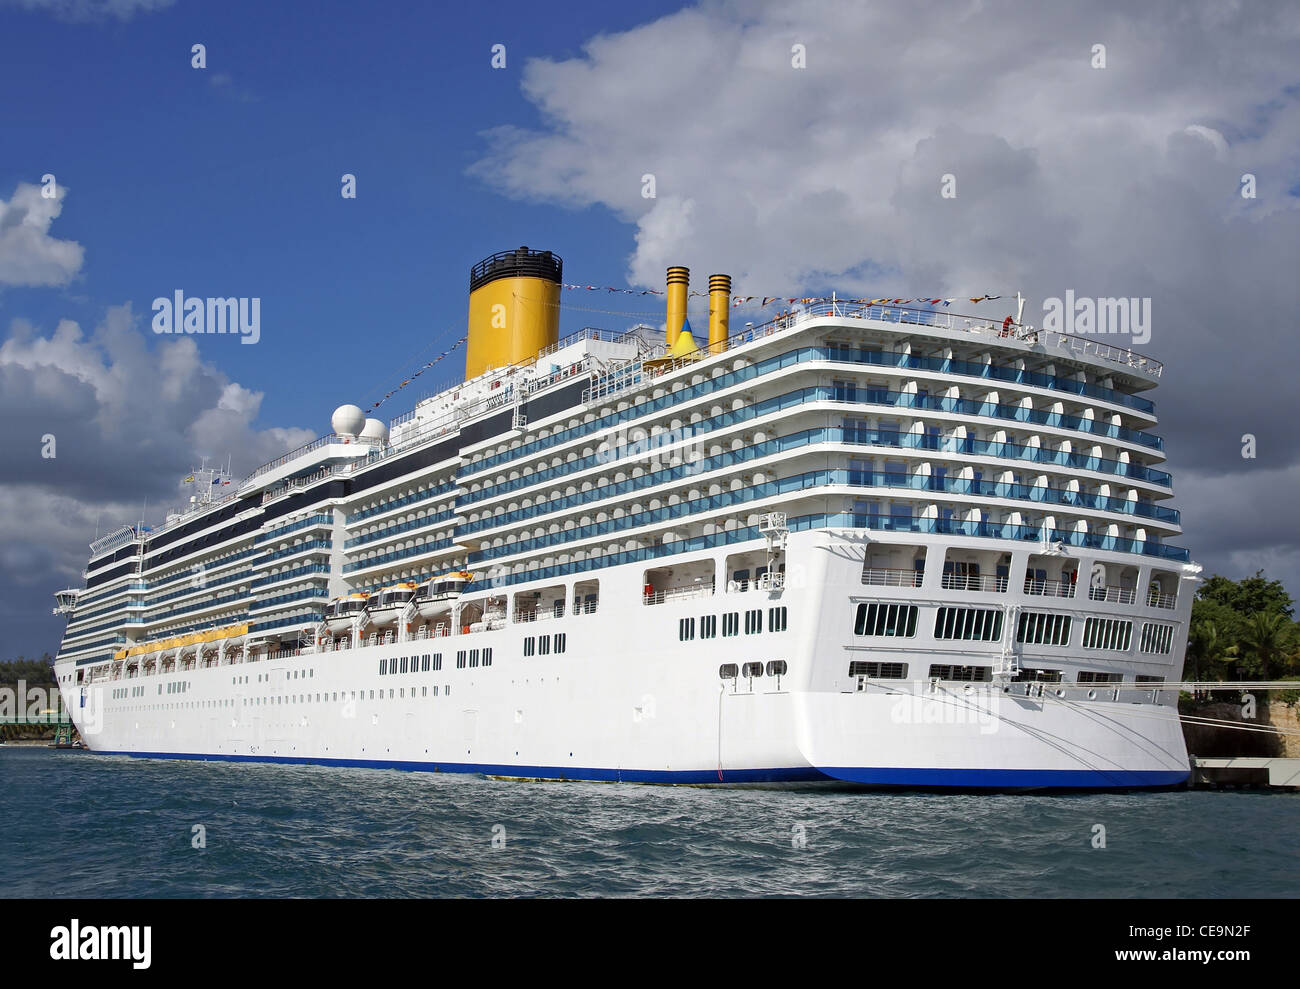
[719, 312]
[679, 279]
[514, 308]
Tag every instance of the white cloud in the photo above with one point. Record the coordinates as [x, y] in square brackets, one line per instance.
[28, 254]
[130, 414]
[92, 10]
[1122, 181]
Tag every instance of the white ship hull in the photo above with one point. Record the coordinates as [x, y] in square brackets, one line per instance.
[628, 701]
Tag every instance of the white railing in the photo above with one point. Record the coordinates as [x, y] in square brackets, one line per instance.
[702, 590]
[1050, 588]
[1104, 351]
[1158, 600]
[968, 582]
[1115, 595]
[889, 577]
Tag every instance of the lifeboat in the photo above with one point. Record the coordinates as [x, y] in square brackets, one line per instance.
[340, 612]
[386, 606]
[435, 594]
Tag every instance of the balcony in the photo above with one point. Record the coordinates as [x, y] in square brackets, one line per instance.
[1050, 588]
[1157, 600]
[701, 590]
[973, 582]
[886, 577]
[1114, 595]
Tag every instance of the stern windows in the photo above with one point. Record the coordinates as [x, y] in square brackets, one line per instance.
[962, 674]
[1089, 676]
[878, 671]
[983, 624]
[1156, 639]
[1107, 633]
[886, 619]
[1043, 628]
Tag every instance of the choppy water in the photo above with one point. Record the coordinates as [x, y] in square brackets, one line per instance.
[75, 824]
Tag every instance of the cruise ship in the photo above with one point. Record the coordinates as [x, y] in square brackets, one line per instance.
[858, 544]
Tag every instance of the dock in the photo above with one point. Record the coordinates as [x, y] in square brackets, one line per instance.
[1244, 772]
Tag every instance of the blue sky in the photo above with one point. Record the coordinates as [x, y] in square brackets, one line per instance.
[226, 180]
[1115, 180]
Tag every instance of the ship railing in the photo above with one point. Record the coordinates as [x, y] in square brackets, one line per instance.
[892, 577]
[540, 616]
[1093, 348]
[702, 590]
[294, 454]
[1157, 600]
[973, 582]
[1113, 594]
[282, 654]
[1050, 588]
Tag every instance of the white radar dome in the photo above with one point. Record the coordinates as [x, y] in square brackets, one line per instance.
[348, 420]
[375, 430]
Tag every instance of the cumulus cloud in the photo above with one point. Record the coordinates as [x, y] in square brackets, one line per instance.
[92, 10]
[28, 254]
[1116, 181]
[129, 415]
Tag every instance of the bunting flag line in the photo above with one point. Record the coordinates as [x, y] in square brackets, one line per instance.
[422, 369]
[767, 300]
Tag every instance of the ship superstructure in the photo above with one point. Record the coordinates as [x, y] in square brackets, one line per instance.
[855, 543]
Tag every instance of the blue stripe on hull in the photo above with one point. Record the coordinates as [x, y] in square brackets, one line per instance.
[861, 776]
[1010, 779]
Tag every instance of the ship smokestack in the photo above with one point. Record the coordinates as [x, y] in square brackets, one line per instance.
[514, 308]
[719, 312]
[679, 279]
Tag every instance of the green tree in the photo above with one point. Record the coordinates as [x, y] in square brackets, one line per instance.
[1206, 649]
[1264, 649]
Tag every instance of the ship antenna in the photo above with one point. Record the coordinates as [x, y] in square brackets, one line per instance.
[1020, 306]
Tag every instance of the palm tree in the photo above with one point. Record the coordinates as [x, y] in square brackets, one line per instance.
[1205, 647]
[1266, 640]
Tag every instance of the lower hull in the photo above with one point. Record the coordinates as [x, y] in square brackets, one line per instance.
[857, 777]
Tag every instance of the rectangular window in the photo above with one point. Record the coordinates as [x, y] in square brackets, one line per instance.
[487, 657]
[709, 627]
[967, 674]
[403, 664]
[424, 663]
[1107, 633]
[1157, 639]
[530, 645]
[685, 629]
[473, 658]
[1027, 675]
[878, 671]
[754, 621]
[436, 665]
[983, 624]
[886, 619]
[460, 659]
[561, 641]
[1142, 678]
[776, 619]
[1042, 628]
[1088, 676]
[731, 624]
[543, 645]
[383, 667]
